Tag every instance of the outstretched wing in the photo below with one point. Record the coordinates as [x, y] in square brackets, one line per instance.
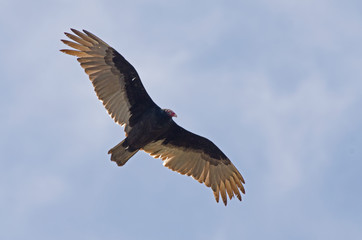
[196, 156]
[115, 80]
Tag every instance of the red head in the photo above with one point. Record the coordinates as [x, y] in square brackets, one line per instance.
[170, 112]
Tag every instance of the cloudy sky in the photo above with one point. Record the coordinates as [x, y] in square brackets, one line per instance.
[275, 84]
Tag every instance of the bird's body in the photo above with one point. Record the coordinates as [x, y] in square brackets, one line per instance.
[144, 132]
[147, 126]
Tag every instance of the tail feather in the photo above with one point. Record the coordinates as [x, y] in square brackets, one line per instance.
[121, 154]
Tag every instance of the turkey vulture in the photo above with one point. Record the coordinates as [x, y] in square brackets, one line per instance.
[147, 126]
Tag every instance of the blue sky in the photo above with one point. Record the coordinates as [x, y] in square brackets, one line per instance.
[275, 84]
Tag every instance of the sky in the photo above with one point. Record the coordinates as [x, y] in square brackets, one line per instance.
[275, 84]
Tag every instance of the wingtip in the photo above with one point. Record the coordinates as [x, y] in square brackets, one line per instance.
[239, 197]
[77, 32]
[242, 179]
[224, 200]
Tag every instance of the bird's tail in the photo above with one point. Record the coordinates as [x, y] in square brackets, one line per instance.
[121, 153]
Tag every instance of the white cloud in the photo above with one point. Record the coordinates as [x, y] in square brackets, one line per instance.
[296, 126]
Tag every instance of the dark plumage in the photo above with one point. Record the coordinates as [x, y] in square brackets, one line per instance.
[147, 126]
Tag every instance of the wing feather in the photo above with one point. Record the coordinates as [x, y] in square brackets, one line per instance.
[74, 53]
[199, 158]
[223, 192]
[93, 63]
[199, 166]
[85, 37]
[228, 189]
[235, 188]
[98, 60]
[115, 80]
[76, 45]
[216, 194]
[78, 40]
[204, 173]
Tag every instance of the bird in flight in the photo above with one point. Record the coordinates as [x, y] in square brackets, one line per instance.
[147, 126]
